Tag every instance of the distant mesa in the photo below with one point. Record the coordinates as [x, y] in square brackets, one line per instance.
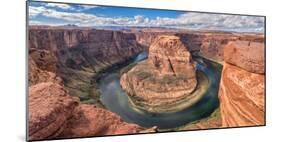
[70, 26]
[166, 81]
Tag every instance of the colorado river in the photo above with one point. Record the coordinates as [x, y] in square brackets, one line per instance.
[115, 99]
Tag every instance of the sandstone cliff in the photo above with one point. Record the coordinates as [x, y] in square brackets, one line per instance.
[242, 85]
[78, 54]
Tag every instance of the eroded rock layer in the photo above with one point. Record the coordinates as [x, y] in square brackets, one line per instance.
[55, 114]
[166, 81]
[242, 85]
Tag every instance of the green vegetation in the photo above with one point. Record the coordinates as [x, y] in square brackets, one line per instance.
[143, 75]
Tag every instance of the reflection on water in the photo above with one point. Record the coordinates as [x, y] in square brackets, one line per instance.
[115, 99]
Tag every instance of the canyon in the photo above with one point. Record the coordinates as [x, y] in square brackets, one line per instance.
[65, 64]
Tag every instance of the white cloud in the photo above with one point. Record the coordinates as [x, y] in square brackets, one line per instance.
[80, 17]
[189, 20]
[59, 5]
[213, 21]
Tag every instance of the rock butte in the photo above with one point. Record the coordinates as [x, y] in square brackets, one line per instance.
[242, 85]
[165, 82]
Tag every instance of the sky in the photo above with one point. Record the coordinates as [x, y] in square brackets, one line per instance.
[56, 14]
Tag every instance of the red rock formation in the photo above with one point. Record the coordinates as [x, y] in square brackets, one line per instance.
[166, 81]
[168, 55]
[49, 107]
[242, 85]
[55, 114]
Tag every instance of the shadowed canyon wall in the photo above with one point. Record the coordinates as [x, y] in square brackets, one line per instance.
[80, 53]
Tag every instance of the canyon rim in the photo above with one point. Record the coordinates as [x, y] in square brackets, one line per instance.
[104, 70]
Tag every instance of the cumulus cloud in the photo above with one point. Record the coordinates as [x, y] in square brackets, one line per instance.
[189, 20]
[79, 17]
[213, 21]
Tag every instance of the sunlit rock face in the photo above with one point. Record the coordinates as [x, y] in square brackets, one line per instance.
[242, 85]
[165, 82]
[53, 113]
[247, 55]
[168, 55]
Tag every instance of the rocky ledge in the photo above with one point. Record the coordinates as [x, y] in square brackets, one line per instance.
[242, 85]
[166, 81]
[55, 114]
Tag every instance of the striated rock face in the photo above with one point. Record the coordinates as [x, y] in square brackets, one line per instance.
[86, 47]
[166, 81]
[242, 85]
[49, 107]
[79, 53]
[55, 114]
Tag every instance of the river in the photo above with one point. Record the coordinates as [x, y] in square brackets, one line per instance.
[115, 99]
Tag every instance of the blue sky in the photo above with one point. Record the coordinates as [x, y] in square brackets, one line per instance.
[42, 13]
